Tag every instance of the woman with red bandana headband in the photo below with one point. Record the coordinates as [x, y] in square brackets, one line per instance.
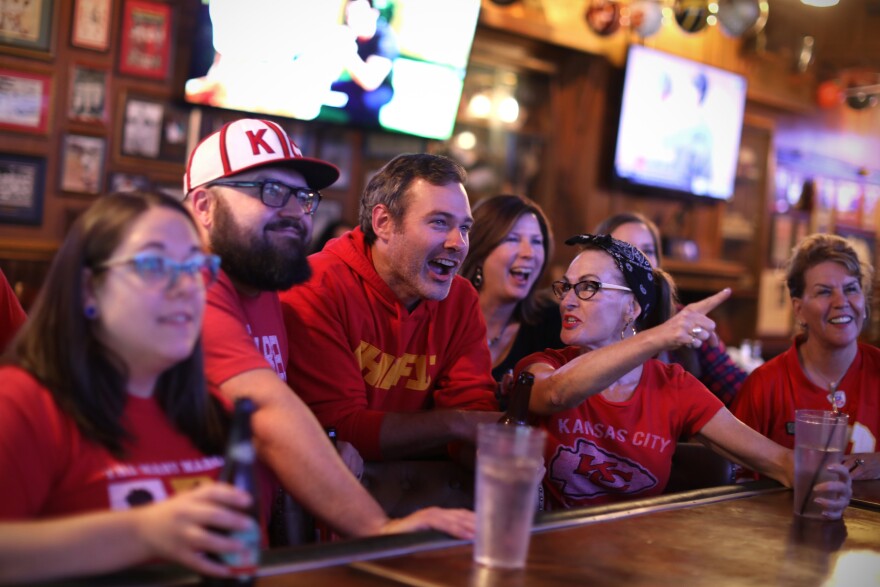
[612, 438]
[709, 362]
[826, 365]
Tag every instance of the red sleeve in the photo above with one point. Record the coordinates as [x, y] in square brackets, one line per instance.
[466, 381]
[552, 357]
[324, 371]
[696, 402]
[12, 315]
[229, 348]
[31, 444]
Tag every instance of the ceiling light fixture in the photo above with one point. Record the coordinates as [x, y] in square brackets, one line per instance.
[820, 3]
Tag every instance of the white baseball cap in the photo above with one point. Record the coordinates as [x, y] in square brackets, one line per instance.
[247, 144]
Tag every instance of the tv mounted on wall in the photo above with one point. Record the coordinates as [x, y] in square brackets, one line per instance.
[397, 65]
[680, 125]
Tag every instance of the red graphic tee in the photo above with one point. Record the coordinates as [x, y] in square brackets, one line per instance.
[604, 451]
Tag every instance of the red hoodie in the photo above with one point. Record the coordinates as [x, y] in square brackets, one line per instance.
[356, 352]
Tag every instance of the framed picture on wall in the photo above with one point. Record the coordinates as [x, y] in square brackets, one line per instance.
[145, 46]
[21, 189]
[82, 164]
[128, 182]
[87, 101]
[91, 24]
[26, 27]
[336, 148]
[24, 101]
[175, 131]
[142, 127]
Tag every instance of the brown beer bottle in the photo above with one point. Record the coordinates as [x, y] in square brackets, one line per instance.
[517, 413]
[323, 533]
[239, 469]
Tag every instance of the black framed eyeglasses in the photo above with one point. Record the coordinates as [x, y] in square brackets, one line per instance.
[583, 289]
[154, 269]
[276, 194]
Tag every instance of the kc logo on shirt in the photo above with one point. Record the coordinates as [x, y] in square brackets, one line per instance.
[587, 471]
[384, 371]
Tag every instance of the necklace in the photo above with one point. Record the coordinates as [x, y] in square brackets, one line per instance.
[815, 375]
[835, 398]
[494, 340]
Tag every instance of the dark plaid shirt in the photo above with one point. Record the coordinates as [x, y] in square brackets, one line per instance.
[719, 373]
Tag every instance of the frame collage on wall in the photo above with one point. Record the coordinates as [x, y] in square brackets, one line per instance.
[22, 185]
[27, 27]
[91, 24]
[149, 127]
[145, 39]
[89, 91]
[82, 164]
[25, 101]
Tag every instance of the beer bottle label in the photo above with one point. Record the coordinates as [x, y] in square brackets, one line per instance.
[244, 563]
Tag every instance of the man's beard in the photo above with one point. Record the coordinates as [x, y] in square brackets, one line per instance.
[253, 260]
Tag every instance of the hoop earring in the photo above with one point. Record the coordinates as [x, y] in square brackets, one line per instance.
[632, 328]
[90, 312]
[477, 279]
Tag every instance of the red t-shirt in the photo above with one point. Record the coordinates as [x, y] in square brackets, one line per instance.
[241, 333]
[357, 353]
[604, 451]
[773, 391]
[50, 470]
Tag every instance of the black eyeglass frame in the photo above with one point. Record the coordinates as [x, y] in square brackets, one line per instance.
[560, 288]
[309, 203]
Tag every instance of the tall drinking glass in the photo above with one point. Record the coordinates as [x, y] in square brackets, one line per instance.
[509, 469]
[819, 440]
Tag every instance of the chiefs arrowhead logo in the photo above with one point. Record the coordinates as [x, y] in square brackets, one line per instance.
[587, 471]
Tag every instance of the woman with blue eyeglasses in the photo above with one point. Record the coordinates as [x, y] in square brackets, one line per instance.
[103, 405]
[612, 413]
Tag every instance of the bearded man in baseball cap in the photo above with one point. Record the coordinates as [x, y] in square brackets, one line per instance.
[253, 194]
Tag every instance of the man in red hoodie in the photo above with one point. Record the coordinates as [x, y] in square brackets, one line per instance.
[387, 343]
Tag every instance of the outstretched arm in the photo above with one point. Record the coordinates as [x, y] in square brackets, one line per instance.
[566, 387]
[739, 443]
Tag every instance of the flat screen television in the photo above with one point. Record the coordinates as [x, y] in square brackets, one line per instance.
[680, 125]
[397, 65]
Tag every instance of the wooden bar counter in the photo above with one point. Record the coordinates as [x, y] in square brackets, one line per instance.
[729, 536]
[866, 494]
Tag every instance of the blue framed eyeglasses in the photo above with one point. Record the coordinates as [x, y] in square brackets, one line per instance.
[276, 194]
[156, 269]
[583, 289]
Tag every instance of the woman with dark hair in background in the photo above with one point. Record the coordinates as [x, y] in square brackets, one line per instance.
[104, 405]
[827, 365]
[710, 362]
[511, 243]
[612, 413]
